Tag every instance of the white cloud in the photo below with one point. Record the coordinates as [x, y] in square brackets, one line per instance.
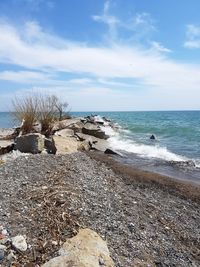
[192, 36]
[112, 76]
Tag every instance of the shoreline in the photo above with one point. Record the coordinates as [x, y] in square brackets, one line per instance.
[143, 219]
[130, 173]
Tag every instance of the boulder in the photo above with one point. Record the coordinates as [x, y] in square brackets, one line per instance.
[152, 137]
[66, 145]
[86, 249]
[65, 133]
[50, 146]
[112, 152]
[84, 146]
[6, 147]
[30, 143]
[64, 124]
[94, 130]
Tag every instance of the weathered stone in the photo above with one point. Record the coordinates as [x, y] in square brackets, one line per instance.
[30, 143]
[65, 133]
[84, 146]
[66, 145]
[112, 152]
[6, 149]
[64, 124]
[94, 130]
[50, 146]
[86, 249]
[19, 242]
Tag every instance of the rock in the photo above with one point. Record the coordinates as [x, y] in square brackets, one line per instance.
[112, 152]
[94, 130]
[65, 124]
[84, 146]
[66, 145]
[86, 249]
[2, 254]
[30, 143]
[6, 149]
[76, 127]
[50, 146]
[65, 133]
[152, 137]
[19, 243]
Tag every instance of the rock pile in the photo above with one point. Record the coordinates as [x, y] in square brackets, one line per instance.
[68, 136]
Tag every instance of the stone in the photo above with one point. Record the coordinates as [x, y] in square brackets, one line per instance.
[86, 249]
[84, 146]
[6, 148]
[65, 133]
[19, 243]
[152, 137]
[2, 254]
[66, 145]
[64, 124]
[94, 130]
[112, 152]
[30, 143]
[50, 146]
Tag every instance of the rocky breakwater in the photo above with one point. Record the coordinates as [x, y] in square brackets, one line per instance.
[67, 136]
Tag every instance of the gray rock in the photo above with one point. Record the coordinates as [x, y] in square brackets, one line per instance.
[112, 152]
[19, 243]
[30, 143]
[2, 254]
[65, 133]
[50, 146]
[94, 130]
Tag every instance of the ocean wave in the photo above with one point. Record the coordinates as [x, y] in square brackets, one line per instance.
[116, 142]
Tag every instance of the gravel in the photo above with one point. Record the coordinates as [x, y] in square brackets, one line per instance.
[48, 198]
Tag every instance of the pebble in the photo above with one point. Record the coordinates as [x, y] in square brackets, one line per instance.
[2, 254]
[19, 242]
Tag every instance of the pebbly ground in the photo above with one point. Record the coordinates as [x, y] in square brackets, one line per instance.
[48, 198]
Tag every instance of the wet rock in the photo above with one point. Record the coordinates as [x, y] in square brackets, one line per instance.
[94, 130]
[30, 143]
[152, 137]
[112, 152]
[86, 249]
[19, 243]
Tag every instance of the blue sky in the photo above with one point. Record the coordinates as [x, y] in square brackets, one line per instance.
[102, 55]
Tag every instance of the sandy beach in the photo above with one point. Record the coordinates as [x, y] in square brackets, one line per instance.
[145, 218]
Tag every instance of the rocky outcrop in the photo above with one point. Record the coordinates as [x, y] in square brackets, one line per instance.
[50, 146]
[94, 130]
[30, 143]
[86, 249]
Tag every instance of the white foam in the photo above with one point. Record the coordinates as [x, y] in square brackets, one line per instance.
[144, 150]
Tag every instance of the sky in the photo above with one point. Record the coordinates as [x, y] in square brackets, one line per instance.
[102, 55]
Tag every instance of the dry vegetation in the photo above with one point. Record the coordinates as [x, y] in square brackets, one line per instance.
[43, 109]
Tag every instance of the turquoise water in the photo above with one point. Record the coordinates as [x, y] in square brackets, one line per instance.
[177, 138]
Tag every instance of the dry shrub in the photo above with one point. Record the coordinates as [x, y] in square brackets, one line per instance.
[25, 110]
[47, 113]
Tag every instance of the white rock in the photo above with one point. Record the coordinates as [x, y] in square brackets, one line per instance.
[19, 242]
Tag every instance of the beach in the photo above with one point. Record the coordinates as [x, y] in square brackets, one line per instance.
[145, 218]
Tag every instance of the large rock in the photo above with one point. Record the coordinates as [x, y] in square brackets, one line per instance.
[30, 143]
[6, 147]
[50, 146]
[94, 130]
[66, 145]
[65, 133]
[95, 143]
[65, 124]
[87, 249]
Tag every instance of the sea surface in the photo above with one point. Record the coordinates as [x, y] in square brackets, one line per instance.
[175, 152]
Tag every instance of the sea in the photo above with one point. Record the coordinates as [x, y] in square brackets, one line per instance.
[175, 152]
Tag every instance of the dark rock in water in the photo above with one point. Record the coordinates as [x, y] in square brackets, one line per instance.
[105, 119]
[50, 146]
[112, 152]
[94, 130]
[6, 149]
[153, 137]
